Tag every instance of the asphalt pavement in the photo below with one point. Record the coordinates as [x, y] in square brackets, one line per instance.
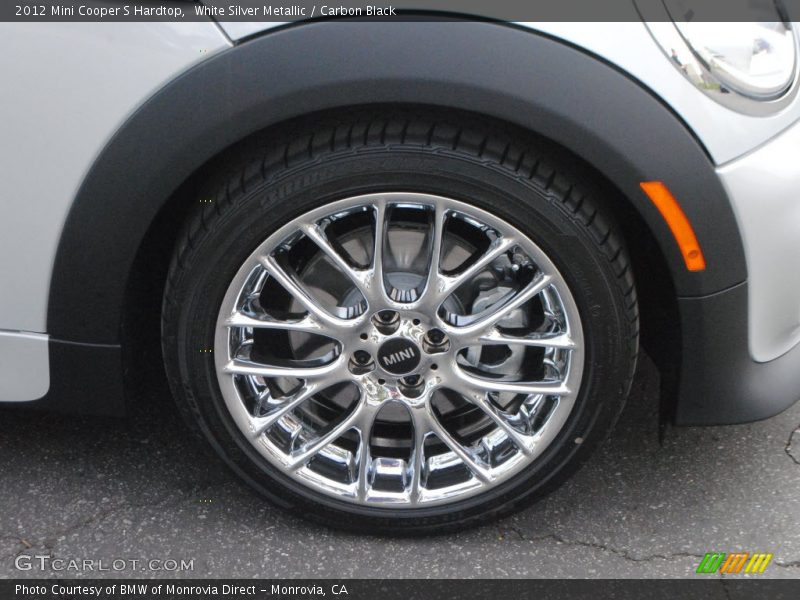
[143, 489]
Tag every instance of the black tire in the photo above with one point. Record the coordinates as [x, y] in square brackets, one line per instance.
[512, 174]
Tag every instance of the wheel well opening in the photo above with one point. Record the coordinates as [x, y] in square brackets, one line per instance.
[141, 322]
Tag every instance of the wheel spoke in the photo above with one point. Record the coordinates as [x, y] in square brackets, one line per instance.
[376, 292]
[448, 284]
[466, 456]
[357, 276]
[306, 324]
[259, 425]
[242, 366]
[419, 422]
[439, 218]
[555, 388]
[300, 294]
[500, 310]
[364, 456]
[547, 340]
[479, 399]
[529, 413]
[311, 449]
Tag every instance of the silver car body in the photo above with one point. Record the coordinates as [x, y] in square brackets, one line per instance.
[59, 114]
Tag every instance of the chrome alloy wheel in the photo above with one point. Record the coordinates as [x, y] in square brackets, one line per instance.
[399, 349]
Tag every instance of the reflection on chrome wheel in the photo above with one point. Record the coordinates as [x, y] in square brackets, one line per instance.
[399, 349]
[400, 323]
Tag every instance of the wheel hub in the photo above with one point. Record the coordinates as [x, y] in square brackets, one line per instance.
[399, 356]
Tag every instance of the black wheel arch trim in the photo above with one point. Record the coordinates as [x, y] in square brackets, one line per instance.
[518, 76]
[531, 80]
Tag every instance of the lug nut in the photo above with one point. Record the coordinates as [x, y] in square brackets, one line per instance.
[436, 336]
[362, 357]
[412, 385]
[435, 341]
[361, 362]
[386, 321]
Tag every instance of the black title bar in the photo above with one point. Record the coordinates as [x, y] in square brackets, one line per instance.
[704, 587]
[397, 10]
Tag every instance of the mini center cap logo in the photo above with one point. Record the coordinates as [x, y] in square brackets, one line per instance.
[399, 356]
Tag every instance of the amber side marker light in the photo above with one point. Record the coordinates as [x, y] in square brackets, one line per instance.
[676, 219]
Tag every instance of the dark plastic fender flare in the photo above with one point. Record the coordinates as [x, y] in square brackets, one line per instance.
[497, 70]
